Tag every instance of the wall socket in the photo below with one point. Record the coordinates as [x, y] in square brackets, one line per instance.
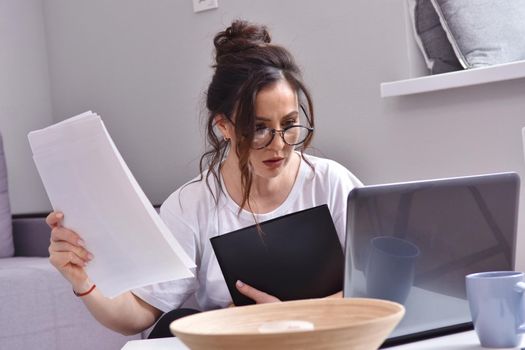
[203, 5]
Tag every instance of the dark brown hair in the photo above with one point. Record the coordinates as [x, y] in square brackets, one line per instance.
[245, 63]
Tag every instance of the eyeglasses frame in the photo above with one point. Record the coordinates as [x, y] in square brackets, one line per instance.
[281, 133]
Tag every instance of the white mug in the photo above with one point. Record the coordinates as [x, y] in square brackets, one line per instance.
[496, 301]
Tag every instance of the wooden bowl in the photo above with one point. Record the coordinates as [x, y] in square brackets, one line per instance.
[336, 323]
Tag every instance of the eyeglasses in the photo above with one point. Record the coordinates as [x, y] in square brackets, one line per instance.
[292, 135]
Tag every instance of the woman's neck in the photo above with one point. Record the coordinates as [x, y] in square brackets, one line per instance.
[266, 194]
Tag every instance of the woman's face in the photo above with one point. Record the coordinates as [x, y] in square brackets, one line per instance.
[276, 107]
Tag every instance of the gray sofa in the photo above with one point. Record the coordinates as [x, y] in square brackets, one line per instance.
[38, 309]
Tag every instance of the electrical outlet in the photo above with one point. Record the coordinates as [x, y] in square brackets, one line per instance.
[203, 5]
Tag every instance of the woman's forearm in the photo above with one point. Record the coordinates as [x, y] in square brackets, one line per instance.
[125, 314]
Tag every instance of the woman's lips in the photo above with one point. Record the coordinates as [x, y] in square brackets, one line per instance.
[274, 162]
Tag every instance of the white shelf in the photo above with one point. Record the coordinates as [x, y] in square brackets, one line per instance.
[507, 71]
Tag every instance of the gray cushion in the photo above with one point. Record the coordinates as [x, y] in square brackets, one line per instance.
[39, 311]
[7, 248]
[31, 236]
[484, 32]
[431, 38]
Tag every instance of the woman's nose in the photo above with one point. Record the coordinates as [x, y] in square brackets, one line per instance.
[278, 141]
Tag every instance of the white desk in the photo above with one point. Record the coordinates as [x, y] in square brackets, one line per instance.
[155, 344]
[458, 341]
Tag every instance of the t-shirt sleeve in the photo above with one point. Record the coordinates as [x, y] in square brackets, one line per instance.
[170, 295]
[342, 183]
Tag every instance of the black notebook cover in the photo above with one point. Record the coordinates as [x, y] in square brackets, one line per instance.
[296, 256]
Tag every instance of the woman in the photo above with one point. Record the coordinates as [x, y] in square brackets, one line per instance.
[260, 121]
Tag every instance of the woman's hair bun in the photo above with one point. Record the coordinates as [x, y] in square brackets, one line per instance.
[241, 35]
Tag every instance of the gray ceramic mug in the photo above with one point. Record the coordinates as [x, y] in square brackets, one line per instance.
[496, 301]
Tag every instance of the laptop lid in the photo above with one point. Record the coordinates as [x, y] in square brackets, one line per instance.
[414, 243]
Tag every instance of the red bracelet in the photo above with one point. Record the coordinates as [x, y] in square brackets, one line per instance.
[85, 293]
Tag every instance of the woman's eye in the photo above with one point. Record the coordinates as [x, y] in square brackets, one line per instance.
[290, 122]
[260, 129]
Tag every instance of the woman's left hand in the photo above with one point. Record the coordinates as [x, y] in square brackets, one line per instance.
[256, 295]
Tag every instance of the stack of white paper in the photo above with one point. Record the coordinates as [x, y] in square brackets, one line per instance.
[86, 178]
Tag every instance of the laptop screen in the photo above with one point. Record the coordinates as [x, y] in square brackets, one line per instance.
[415, 242]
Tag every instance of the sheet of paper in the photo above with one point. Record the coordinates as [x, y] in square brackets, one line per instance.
[86, 178]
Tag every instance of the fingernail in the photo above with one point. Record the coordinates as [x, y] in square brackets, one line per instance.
[60, 215]
[90, 256]
[81, 243]
[239, 284]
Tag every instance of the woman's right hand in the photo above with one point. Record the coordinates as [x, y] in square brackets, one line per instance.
[67, 252]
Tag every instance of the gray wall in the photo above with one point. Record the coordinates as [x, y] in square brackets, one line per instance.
[25, 102]
[143, 66]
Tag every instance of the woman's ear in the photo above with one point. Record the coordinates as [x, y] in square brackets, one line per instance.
[224, 125]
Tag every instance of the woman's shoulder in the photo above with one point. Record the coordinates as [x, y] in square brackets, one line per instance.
[192, 196]
[324, 163]
[328, 168]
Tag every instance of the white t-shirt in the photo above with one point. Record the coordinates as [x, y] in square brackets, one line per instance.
[193, 216]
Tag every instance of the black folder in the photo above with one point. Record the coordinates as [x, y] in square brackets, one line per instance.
[296, 256]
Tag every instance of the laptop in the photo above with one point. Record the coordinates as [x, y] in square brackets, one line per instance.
[415, 242]
[295, 256]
